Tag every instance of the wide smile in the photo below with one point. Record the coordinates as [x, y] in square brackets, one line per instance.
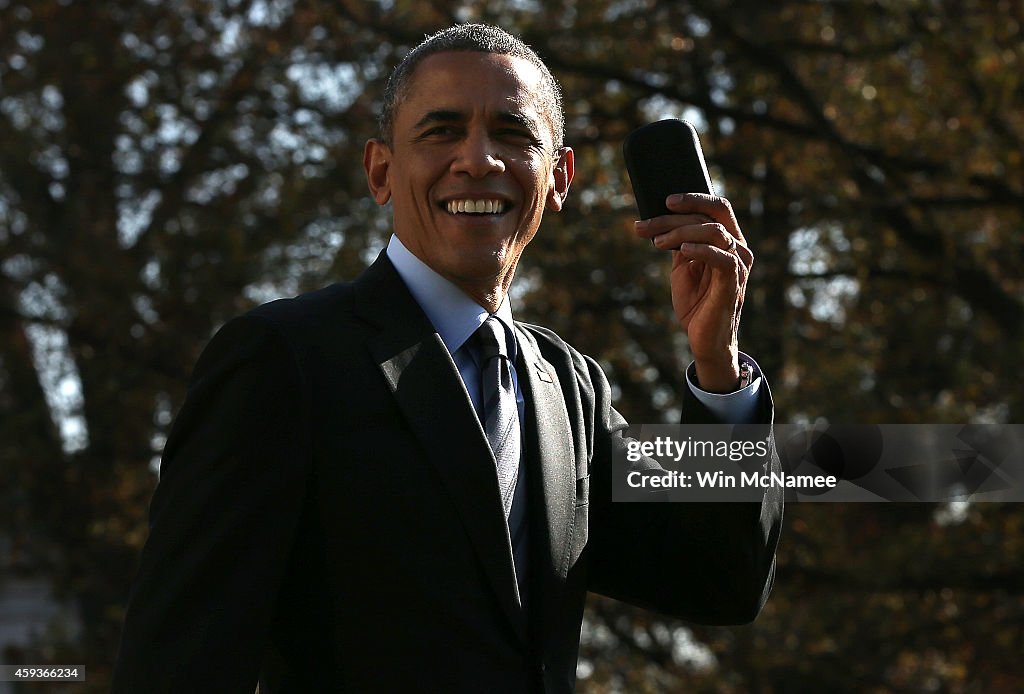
[476, 207]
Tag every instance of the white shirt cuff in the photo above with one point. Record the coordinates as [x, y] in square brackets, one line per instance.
[739, 407]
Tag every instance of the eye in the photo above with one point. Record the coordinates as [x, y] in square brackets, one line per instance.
[439, 132]
[518, 136]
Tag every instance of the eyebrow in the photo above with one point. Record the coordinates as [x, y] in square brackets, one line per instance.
[446, 116]
[518, 119]
[438, 117]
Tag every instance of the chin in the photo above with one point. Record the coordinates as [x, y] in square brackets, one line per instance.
[481, 266]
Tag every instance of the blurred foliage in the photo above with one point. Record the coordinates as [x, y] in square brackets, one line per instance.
[166, 164]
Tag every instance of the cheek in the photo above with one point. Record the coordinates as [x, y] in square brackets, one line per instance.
[537, 179]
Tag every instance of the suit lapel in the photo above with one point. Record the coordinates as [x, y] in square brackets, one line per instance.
[549, 451]
[429, 391]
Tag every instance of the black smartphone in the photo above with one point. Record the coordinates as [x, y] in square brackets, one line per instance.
[663, 158]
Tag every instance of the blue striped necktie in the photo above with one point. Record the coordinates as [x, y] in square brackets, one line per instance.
[500, 412]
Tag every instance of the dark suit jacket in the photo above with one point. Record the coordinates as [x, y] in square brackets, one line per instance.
[328, 516]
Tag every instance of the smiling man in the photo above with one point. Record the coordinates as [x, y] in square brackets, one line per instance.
[391, 485]
[470, 163]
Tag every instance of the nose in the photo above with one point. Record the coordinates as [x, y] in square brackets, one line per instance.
[477, 156]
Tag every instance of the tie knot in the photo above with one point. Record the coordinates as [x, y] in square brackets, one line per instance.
[491, 337]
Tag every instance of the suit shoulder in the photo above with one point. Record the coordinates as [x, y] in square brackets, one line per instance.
[276, 325]
[545, 339]
[553, 348]
[301, 322]
[294, 311]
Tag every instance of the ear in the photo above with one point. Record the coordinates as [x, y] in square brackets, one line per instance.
[376, 163]
[561, 176]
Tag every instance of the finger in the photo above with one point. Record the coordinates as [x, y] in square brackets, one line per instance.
[711, 234]
[649, 228]
[717, 208]
[716, 259]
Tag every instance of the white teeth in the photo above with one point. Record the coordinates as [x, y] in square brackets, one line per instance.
[476, 206]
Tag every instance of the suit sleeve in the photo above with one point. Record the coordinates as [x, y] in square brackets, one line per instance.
[222, 519]
[710, 563]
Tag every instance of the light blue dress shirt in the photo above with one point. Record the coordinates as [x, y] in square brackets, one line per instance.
[456, 317]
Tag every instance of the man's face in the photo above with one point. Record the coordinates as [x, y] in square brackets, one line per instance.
[471, 167]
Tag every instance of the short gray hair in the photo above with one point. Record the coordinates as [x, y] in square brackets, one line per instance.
[477, 38]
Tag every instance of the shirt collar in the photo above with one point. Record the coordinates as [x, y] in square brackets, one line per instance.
[453, 314]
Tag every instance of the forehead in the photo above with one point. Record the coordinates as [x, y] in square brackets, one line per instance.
[467, 81]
